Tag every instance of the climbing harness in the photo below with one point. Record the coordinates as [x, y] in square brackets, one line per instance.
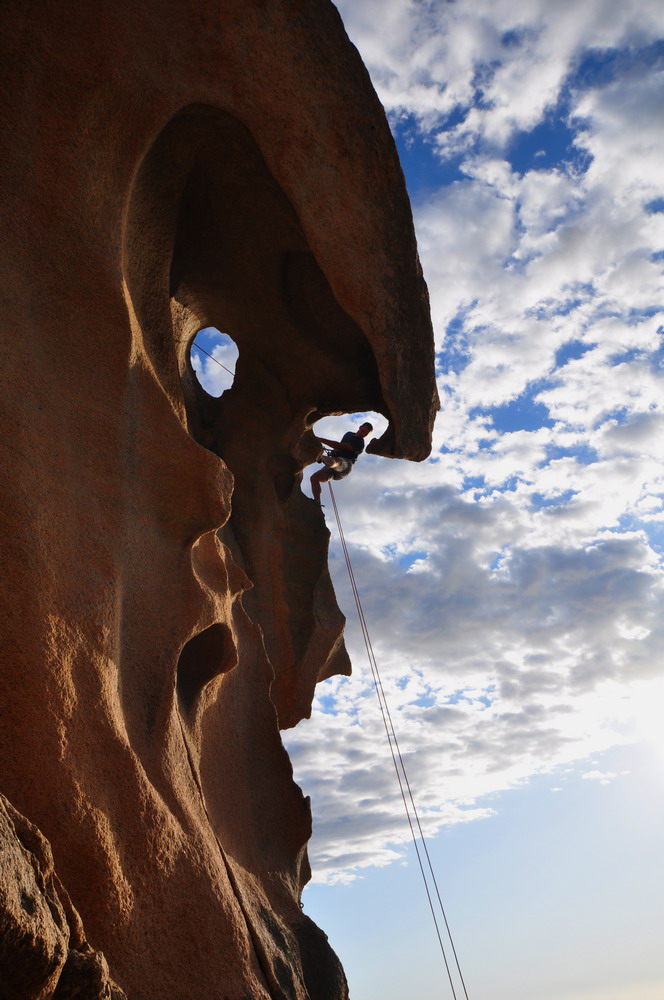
[400, 768]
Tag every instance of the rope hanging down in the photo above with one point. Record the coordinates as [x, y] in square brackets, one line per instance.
[399, 767]
[397, 758]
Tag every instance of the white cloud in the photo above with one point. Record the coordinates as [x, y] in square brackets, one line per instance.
[625, 122]
[214, 364]
[496, 666]
[428, 59]
[513, 584]
[603, 777]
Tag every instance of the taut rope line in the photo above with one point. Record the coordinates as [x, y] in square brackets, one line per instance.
[398, 762]
[199, 348]
[397, 758]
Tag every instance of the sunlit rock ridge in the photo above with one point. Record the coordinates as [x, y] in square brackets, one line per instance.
[168, 166]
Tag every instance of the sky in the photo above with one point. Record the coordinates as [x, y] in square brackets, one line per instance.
[513, 583]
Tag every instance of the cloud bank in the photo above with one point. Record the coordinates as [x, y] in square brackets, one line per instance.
[514, 582]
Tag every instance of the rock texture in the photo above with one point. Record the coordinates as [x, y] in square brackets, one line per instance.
[168, 165]
[43, 951]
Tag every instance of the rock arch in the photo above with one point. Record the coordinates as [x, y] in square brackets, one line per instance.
[167, 604]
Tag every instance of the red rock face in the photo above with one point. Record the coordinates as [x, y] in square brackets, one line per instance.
[166, 606]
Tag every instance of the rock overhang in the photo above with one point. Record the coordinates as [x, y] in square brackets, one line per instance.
[168, 166]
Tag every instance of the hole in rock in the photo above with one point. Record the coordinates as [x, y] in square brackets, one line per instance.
[214, 357]
[208, 654]
[333, 429]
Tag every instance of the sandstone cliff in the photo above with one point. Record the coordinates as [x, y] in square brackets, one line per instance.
[168, 165]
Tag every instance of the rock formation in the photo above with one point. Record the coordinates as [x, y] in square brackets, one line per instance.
[168, 165]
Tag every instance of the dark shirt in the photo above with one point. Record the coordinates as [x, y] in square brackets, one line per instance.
[351, 445]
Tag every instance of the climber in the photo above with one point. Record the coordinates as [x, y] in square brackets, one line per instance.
[340, 459]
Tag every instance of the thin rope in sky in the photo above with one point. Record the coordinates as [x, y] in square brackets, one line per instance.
[198, 347]
[399, 766]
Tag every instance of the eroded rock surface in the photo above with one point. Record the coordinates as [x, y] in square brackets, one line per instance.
[166, 605]
[43, 951]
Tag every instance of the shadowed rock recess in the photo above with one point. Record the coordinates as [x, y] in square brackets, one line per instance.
[168, 165]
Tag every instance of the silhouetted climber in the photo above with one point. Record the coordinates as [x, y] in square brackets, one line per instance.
[340, 459]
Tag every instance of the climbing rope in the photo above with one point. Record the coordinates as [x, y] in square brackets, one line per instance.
[400, 768]
[199, 348]
[395, 751]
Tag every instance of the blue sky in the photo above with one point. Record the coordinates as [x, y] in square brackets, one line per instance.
[514, 582]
